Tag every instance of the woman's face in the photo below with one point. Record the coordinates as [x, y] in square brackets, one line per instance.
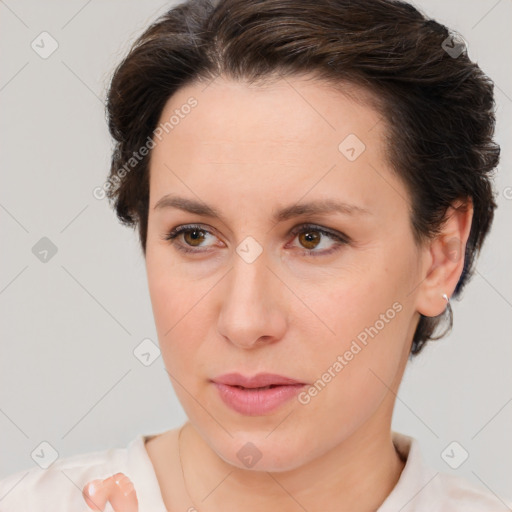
[255, 293]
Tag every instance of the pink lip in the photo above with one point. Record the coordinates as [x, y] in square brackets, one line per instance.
[244, 396]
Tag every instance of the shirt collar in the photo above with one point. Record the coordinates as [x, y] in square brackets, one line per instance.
[412, 490]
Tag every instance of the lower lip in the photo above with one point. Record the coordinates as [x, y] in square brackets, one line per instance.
[258, 401]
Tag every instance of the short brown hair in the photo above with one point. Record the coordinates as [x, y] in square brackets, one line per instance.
[438, 106]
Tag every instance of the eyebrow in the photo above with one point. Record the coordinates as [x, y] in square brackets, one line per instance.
[319, 207]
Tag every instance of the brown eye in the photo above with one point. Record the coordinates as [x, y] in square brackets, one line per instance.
[309, 239]
[186, 238]
[193, 237]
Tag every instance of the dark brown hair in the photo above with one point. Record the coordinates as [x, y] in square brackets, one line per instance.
[437, 104]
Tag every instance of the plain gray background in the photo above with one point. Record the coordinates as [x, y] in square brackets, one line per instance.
[70, 325]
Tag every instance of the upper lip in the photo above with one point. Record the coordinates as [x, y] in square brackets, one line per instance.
[256, 381]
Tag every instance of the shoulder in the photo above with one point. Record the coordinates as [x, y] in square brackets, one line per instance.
[59, 487]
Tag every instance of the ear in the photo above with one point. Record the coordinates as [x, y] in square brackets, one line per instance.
[443, 259]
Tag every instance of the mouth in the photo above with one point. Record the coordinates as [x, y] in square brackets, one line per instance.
[260, 380]
[259, 395]
[258, 388]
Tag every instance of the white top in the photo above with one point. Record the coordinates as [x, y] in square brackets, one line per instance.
[59, 488]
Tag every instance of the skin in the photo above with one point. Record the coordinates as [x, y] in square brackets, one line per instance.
[248, 151]
[117, 490]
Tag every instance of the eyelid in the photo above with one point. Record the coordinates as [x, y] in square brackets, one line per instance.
[187, 227]
[326, 231]
[171, 235]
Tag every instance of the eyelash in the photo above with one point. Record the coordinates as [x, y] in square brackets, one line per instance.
[303, 228]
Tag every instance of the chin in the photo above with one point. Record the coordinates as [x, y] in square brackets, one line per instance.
[261, 452]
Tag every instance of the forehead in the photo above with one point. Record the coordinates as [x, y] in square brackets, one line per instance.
[284, 138]
[299, 110]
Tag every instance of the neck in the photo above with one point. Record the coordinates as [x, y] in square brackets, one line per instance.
[358, 474]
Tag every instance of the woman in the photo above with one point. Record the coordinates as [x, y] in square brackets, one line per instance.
[311, 185]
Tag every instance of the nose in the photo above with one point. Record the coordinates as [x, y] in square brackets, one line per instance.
[253, 304]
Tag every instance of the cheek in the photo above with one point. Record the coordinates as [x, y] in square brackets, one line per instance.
[172, 300]
[368, 315]
[169, 291]
[354, 371]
